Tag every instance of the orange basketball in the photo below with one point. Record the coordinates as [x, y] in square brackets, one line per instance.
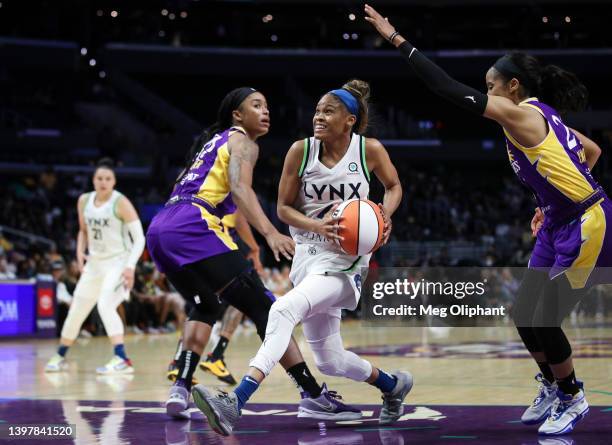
[364, 226]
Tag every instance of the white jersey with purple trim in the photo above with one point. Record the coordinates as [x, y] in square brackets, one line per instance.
[321, 188]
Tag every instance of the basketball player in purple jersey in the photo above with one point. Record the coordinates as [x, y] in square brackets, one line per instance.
[574, 216]
[188, 243]
[319, 173]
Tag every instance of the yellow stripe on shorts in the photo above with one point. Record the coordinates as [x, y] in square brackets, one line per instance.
[593, 231]
[214, 224]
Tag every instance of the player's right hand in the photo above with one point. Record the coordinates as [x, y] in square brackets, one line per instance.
[329, 225]
[382, 25]
[81, 259]
[281, 244]
[537, 221]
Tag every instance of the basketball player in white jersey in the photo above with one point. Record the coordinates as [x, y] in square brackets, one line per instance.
[107, 221]
[319, 173]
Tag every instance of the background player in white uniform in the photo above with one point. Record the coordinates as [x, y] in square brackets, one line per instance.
[107, 221]
[319, 173]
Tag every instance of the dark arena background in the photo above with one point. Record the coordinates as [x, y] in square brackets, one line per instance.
[138, 80]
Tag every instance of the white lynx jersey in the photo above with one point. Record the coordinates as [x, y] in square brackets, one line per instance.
[106, 233]
[321, 188]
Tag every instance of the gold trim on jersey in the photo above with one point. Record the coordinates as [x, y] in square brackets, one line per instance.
[214, 224]
[229, 221]
[554, 162]
[593, 231]
[216, 186]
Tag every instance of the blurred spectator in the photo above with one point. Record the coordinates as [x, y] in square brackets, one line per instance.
[173, 304]
[64, 298]
[72, 276]
[5, 272]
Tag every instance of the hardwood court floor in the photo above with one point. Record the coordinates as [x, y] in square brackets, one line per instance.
[457, 366]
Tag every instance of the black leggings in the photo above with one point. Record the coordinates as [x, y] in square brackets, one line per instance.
[540, 307]
[200, 282]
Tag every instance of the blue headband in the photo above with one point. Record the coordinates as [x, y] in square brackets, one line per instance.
[347, 99]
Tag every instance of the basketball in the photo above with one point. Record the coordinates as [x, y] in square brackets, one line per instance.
[363, 226]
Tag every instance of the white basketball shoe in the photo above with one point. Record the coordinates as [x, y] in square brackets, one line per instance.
[57, 363]
[541, 405]
[116, 365]
[566, 412]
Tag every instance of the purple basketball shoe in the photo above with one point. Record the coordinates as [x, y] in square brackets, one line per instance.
[326, 407]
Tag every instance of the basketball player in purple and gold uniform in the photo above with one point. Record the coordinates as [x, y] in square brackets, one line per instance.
[188, 243]
[574, 218]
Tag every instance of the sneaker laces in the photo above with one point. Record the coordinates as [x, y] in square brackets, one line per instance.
[559, 407]
[224, 397]
[334, 395]
[541, 395]
[543, 390]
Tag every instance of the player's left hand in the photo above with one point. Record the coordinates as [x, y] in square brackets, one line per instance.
[379, 22]
[253, 256]
[388, 225]
[128, 278]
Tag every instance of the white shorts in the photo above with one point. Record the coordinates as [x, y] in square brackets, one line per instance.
[103, 276]
[317, 259]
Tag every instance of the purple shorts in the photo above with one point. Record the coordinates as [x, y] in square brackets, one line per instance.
[185, 233]
[582, 248]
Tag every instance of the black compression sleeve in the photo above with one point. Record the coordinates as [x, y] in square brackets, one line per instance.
[441, 83]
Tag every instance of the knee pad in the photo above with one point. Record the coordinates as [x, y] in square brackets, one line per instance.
[290, 309]
[555, 344]
[249, 295]
[529, 339]
[105, 306]
[528, 296]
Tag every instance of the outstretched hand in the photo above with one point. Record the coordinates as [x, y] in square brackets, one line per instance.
[379, 22]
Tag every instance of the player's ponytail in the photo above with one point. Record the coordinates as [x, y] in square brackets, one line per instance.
[555, 86]
[562, 90]
[230, 102]
[360, 89]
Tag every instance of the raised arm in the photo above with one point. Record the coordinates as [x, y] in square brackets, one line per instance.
[500, 109]
[379, 162]
[288, 190]
[243, 157]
